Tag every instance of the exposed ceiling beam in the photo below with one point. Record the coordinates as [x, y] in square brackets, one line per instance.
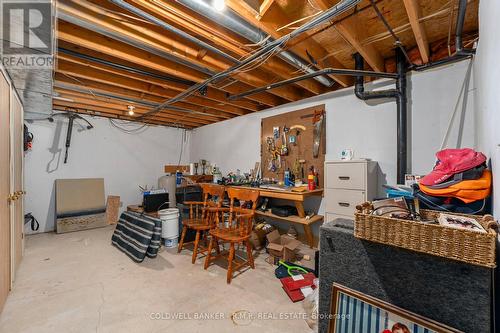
[107, 113]
[82, 57]
[122, 104]
[80, 102]
[266, 4]
[414, 14]
[352, 30]
[159, 42]
[275, 19]
[139, 83]
[194, 23]
[110, 94]
[85, 38]
[91, 83]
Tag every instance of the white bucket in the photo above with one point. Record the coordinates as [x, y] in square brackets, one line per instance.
[169, 223]
[171, 242]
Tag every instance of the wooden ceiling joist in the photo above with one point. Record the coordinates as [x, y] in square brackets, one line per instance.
[166, 45]
[90, 86]
[86, 38]
[82, 103]
[264, 7]
[352, 30]
[111, 57]
[197, 26]
[103, 112]
[414, 14]
[133, 82]
[276, 19]
[122, 104]
[212, 94]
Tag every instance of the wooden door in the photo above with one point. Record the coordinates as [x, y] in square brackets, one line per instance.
[17, 218]
[5, 244]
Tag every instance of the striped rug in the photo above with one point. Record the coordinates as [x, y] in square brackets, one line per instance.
[137, 235]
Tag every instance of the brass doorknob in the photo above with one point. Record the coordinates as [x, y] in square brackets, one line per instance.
[12, 197]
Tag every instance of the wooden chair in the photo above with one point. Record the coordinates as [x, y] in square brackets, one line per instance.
[234, 225]
[200, 218]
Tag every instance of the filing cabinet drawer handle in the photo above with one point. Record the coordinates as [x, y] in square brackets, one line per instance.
[344, 204]
[344, 177]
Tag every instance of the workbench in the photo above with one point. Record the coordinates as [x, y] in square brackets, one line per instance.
[298, 199]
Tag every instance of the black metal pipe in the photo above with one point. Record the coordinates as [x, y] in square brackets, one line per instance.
[462, 7]
[325, 71]
[124, 67]
[359, 87]
[397, 41]
[402, 117]
[399, 95]
[442, 62]
[71, 119]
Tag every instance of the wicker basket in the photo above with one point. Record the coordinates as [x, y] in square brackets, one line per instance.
[463, 245]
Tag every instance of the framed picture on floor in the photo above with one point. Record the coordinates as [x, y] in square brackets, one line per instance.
[355, 312]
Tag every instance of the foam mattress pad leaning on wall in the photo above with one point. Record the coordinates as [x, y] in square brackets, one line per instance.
[80, 204]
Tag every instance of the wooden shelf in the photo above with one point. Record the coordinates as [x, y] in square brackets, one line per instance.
[291, 218]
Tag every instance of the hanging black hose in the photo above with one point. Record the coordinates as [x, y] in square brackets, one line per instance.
[29, 218]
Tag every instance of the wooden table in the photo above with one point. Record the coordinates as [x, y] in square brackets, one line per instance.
[140, 209]
[298, 199]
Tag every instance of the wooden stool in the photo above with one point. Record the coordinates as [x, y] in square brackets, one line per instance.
[200, 218]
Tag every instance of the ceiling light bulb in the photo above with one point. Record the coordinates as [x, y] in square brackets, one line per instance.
[219, 4]
[131, 110]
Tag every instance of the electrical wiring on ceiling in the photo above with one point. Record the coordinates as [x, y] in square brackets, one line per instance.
[133, 128]
[263, 52]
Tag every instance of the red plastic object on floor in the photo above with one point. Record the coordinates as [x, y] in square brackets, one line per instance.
[292, 286]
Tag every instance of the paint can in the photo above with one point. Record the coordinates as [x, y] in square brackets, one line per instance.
[169, 223]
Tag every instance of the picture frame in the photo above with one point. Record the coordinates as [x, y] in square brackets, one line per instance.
[353, 312]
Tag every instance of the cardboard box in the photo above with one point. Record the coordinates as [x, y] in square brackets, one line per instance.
[282, 246]
[255, 241]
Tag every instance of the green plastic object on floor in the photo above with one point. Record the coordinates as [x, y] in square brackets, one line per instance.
[293, 269]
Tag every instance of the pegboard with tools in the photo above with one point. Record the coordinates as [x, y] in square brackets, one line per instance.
[294, 141]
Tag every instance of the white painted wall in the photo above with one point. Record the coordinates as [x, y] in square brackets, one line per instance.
[123, 160]
[351, 123]
[487, 97]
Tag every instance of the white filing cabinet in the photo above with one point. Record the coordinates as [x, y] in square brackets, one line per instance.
[347, 184]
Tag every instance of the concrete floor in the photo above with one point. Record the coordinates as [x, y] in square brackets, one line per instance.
[79, 282]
